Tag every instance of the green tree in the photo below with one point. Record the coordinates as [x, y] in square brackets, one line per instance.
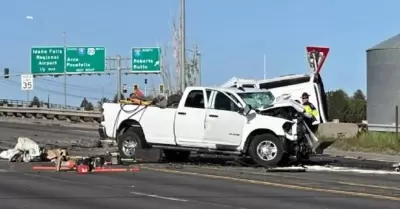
[84, 103]
[338, 104]
[89, 106]
[102, 101]
[359, 94]
[35, 102]
[357, 107]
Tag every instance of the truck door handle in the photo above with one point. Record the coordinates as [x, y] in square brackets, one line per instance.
[181, 113]
[213, 116]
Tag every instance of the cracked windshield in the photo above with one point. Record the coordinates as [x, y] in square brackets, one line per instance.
[258, 99]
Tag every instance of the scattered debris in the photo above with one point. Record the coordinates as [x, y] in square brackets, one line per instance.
[396, 167]
[25, 150]
[287, 169]
[53, 154]
[99, 163]
[349, 170]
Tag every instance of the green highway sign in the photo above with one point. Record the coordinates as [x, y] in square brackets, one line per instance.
[85, 59]
[47, 60]
[146, 60]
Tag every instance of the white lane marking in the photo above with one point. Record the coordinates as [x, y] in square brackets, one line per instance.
[159, 197]
[4, 170]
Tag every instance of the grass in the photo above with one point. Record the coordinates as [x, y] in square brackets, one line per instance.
[376, 142]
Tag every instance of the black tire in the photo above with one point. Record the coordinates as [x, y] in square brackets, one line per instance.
[176, 156]
[129, 135]
[276, 142]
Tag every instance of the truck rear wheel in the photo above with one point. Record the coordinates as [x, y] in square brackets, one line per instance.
[176, 156]
[128, 143]
[266, 150]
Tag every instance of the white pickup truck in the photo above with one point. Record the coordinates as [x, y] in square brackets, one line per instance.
[230, 121]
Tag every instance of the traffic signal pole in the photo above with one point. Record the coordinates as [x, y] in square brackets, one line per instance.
[65, 70]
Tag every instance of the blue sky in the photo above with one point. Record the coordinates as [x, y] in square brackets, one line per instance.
[232, 36]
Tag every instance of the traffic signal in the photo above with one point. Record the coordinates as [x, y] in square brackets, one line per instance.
[161, 89]
[124, 88]
[6, 73]
[145, 81]
[135, 87]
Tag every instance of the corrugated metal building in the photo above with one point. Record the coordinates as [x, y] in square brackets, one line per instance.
[383, 84]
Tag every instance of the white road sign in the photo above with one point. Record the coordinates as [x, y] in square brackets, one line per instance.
[27, 82]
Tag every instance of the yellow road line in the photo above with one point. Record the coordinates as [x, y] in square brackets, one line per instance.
[266, 183]
[323, 181]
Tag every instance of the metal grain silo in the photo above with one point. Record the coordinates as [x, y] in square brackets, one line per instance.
[383, 84]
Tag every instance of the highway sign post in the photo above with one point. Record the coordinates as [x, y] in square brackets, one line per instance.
[146, 60]
[47, 60]
[85, 59]
[27, 82]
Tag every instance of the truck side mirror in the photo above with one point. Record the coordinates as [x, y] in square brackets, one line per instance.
[244, 110]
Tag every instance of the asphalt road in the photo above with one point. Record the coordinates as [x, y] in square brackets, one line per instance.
[157, 186]
[187, 186]
[80, 140]
[48, 135]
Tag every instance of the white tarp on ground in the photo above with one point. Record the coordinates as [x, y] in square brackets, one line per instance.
[25, 147]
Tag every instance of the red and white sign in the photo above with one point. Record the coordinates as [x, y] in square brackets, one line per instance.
[316, 57]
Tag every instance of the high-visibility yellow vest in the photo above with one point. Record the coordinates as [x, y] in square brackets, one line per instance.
[309, 108]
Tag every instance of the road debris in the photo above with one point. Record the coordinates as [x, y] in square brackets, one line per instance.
[25, 150]
[79, 164]
[396, 167]
[328, 168]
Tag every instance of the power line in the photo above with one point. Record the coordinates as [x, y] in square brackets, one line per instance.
[72, 86]
[54, 92]
[99, 90]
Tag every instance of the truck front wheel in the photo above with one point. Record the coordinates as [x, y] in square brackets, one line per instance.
[266, 150]
[128, 143]
[176, 156]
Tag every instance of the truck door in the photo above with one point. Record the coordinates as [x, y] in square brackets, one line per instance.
[224, 125]
[190, 117]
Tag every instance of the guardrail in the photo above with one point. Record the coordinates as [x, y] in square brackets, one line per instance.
[382, 127]
[20, 103]
[23, 109]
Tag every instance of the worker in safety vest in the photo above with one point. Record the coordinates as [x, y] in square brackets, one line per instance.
[309, 108]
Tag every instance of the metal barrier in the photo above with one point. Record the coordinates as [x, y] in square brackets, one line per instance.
[18, 108]
[22, 104]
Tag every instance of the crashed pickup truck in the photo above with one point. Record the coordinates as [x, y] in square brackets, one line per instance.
[228, 121]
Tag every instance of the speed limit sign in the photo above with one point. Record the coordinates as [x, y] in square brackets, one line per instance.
[27, 82]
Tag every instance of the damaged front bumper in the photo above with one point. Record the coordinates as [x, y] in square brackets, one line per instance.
[298, 130]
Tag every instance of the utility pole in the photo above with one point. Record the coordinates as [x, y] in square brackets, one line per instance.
[145, 87]
[118, 78]
[183, 48]
[65, 69]
[198, 62]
